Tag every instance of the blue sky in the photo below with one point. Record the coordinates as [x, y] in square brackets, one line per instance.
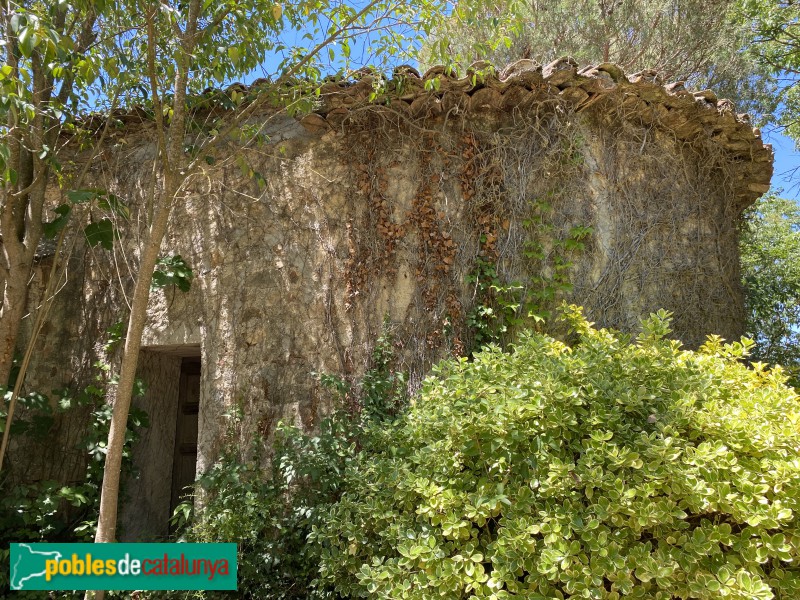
[787, 160]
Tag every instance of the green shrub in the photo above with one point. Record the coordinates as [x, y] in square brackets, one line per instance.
[270, 517]
[615, 467]
[49, 511]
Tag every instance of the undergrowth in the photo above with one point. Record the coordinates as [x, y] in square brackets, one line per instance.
[611, 467]
[46, 510]
[271, 517]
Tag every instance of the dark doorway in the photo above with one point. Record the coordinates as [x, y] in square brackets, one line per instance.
[185, 457]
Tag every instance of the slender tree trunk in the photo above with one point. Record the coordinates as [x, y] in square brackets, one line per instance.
[21, 227]
[172, 159]
[14, 301]
[13, 249]
[176, 170]
[18, 250]
[109, 500]
[109, 497]
[22, 204]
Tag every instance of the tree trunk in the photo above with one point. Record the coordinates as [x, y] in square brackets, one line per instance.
[22, 204]
[15, 297]
[176, 171]
[109, 499]
[172, 159]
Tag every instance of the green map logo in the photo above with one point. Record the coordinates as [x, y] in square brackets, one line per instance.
[40, 566]
[27, 563]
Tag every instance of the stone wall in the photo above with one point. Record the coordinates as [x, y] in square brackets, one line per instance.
[303, 244]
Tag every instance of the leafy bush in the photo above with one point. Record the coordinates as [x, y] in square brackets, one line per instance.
[270, 518]
[35, 511]
[49, 511]
[614, 467]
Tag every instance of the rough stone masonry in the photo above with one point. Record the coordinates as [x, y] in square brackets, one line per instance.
[385, 204]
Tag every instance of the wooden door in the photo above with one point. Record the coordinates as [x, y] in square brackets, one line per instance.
[185, 455]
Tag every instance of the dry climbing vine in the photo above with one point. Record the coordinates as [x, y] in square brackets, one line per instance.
[479, 231]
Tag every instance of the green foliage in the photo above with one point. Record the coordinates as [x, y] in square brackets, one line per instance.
[384, 390]
[615, 467]
[770, 251]
[776, 46]
[72, 47]
[47, 510]
[35, 512]
[173, 270]
[101, 232]
[270, 519]
[502, 307]
[497, 310]
[685, 40]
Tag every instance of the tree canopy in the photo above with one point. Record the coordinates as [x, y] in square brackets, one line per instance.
[770, 250]
[702, 43]
[774, 26]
